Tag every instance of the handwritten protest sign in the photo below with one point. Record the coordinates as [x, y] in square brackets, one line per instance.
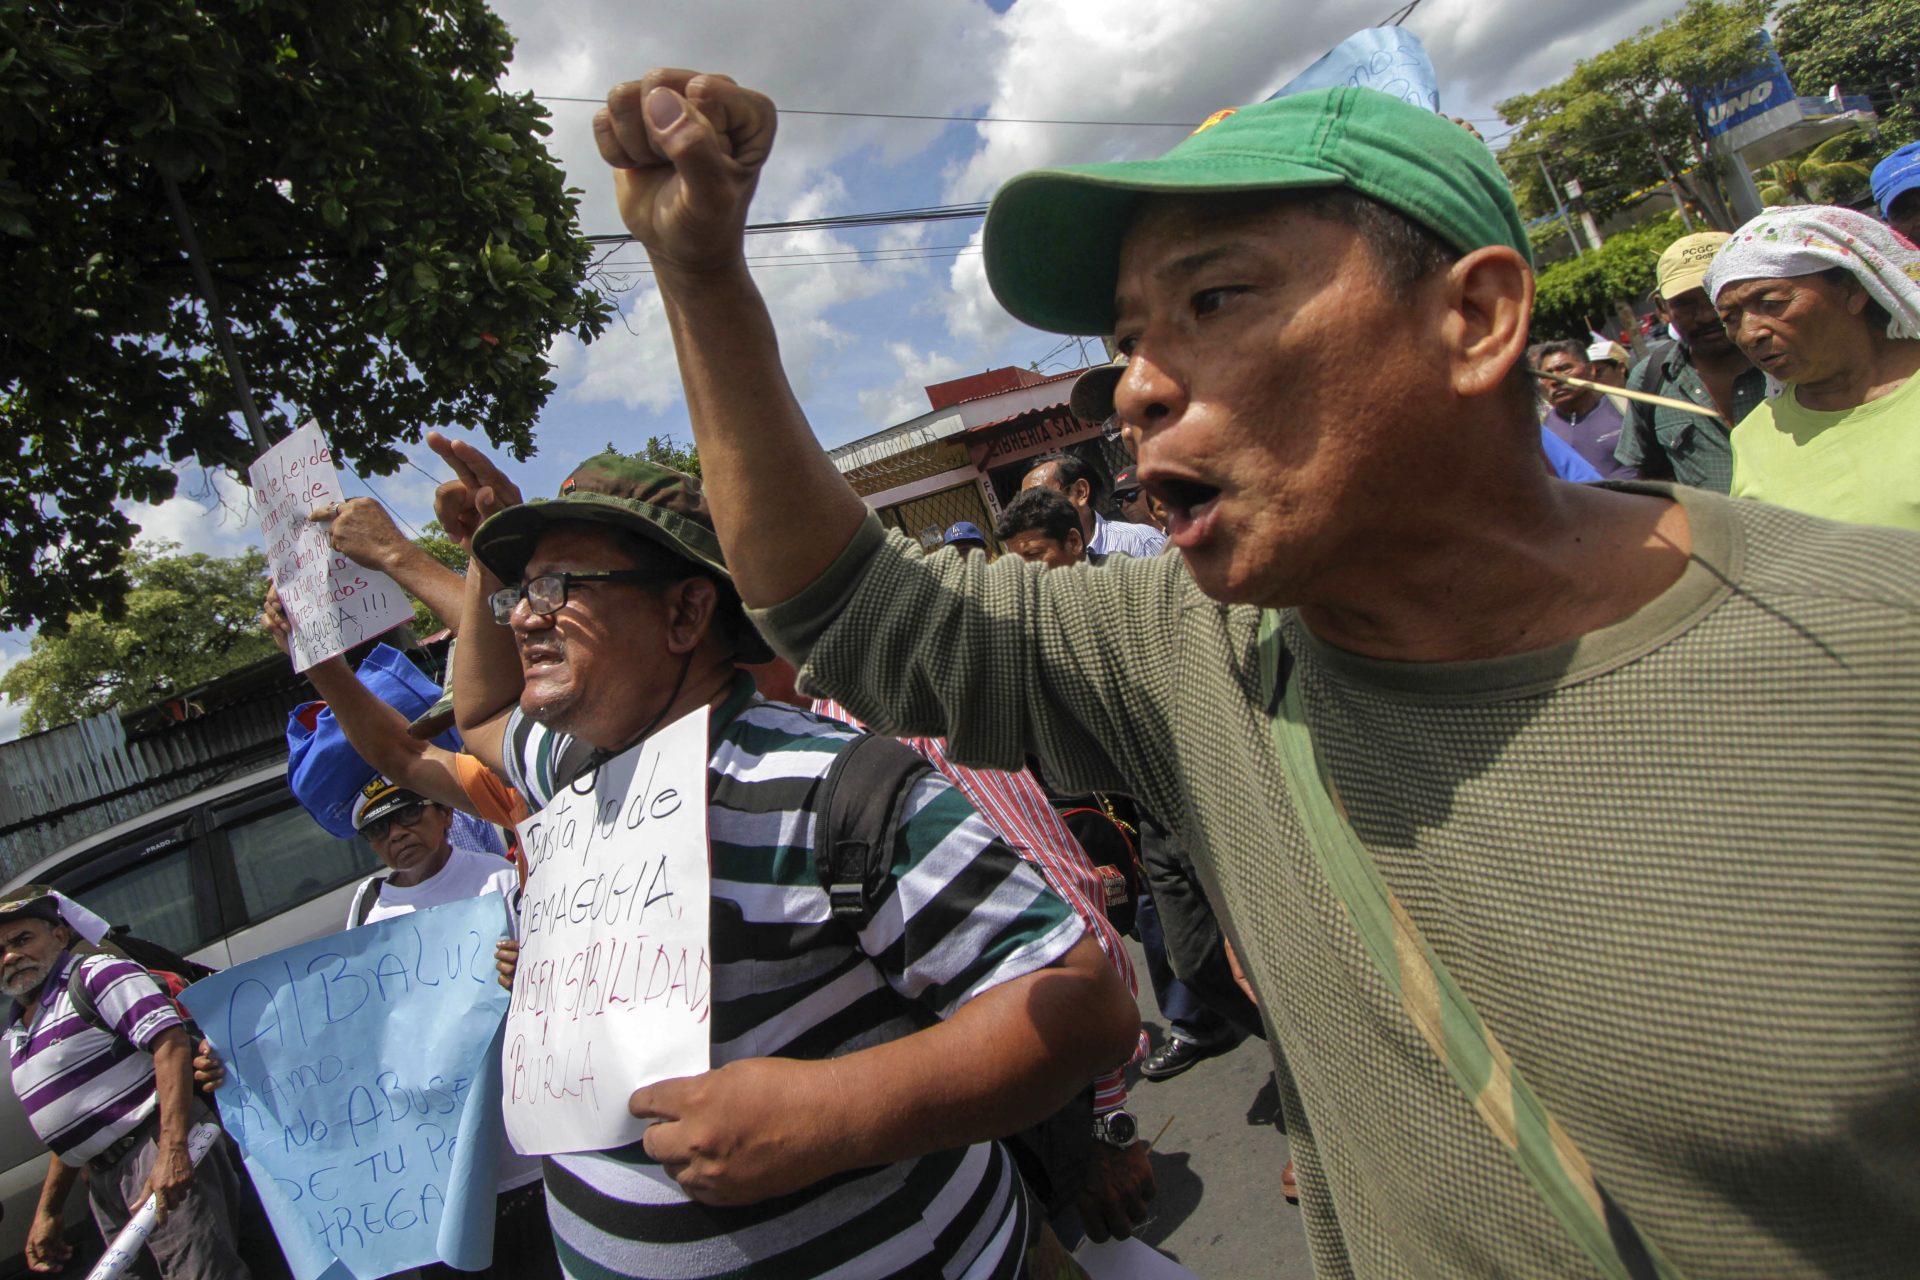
[332, 602]
[362, 1091]
[1389, 59]
[614, 987]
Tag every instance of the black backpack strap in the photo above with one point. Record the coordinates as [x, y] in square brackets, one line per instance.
[363, 902]
[83, 999]
[857, 811]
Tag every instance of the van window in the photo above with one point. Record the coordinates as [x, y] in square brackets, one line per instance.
[284, 858]
[153, 898]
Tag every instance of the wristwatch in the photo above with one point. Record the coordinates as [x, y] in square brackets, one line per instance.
[1116, 1128]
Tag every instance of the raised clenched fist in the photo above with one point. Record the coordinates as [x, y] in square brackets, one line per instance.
[687, 149]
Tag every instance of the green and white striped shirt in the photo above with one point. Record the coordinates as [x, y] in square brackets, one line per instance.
[963, 914]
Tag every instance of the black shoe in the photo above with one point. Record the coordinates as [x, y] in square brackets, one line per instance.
[1175, 1056]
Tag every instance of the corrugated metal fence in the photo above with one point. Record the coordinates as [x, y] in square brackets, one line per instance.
[69, 783]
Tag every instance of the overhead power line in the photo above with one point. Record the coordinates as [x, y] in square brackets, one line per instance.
[839, 222]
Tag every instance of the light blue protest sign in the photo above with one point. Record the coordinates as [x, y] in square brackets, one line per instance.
[1389, 59]
[363, 1089]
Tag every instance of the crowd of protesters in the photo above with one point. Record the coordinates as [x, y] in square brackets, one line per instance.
[1558, 837]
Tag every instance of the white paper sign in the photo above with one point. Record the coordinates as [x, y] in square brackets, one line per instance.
[614, 988]
[1131, 1259]
[332, 602]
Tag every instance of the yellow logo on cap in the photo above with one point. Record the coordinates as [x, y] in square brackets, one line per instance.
[1214, 119]
[376, 787]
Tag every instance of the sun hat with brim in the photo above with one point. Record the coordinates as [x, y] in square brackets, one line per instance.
[1053, 236]
[662, 506]
[44, 902]
[1092, 397]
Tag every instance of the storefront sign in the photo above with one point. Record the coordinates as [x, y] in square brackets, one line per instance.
[1028, 435]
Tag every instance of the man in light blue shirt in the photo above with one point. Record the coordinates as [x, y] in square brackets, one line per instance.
[1066, 474]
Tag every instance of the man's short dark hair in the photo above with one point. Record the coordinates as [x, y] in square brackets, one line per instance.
[1069, 468]
[1041, 510]
[1539, 351]
[1406, 252]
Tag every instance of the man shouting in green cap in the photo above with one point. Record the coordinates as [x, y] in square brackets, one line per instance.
[1567, 832]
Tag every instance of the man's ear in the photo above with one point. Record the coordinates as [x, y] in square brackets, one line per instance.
[1075, 544]
[1488, 301]
[691, 605]
[1080, 493]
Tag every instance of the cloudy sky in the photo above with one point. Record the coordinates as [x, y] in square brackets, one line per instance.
[900, 307]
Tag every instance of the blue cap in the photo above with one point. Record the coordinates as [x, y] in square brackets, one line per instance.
[1898, 174]
[965, 531]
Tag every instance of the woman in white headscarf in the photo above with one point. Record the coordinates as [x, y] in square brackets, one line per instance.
[1826, 301]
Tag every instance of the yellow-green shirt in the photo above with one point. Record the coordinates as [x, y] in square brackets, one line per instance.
[1861, 465]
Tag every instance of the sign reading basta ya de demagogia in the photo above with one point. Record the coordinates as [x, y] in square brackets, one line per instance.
[332, 602]
[614, 987]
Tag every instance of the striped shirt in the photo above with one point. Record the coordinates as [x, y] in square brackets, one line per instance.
[84, 1088]
[963, 915]
[1015, 806]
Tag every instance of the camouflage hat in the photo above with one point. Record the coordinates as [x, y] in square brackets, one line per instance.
[663, 506]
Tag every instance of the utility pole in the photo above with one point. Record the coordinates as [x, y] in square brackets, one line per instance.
[1558, 203]
[222, 332]
[1586, 214]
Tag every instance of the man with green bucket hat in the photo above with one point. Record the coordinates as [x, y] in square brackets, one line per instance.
[1566, 832]
[861, 1073]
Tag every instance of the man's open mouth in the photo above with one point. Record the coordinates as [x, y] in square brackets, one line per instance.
[540, 655]
[1182, 498]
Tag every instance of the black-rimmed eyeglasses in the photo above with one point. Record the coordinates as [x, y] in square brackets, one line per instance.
[548, 592]
[405, 816]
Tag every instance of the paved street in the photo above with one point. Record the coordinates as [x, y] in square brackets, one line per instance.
[1218, 1209]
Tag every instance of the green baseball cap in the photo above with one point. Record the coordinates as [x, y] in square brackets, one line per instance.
[663, 506]
[1053, 235]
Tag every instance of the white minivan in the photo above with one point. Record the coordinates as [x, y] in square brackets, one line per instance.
[229, 873]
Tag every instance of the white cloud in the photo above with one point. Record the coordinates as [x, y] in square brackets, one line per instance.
[208, 513]
[633, 362]
[13, 647]
[1049, 59]
[907, 398]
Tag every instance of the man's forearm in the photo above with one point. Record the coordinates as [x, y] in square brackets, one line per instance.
[486, 673]
[59, 1183]
[1007, 1059]
[765, 473]
[438, 587]
[173, 1084]
[378, 735]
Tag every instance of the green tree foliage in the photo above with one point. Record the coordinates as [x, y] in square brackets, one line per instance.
[1621, 123]
[667, 452]
[187, 620]
[1864, 46]
[1820, 176]
[1577, 294]
[392, 241]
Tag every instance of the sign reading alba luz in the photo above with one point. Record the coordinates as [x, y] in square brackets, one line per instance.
[614, 988]
[362, 1092]
[332, 602]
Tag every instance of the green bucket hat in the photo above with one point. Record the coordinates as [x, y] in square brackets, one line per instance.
[663, 506]
[1053, 235]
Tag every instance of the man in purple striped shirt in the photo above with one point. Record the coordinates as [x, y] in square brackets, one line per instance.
[114, 1093]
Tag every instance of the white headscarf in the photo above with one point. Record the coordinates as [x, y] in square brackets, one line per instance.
[1801, 240]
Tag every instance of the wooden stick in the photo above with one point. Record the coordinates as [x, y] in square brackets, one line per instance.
[1163, 1133]
[1644, 397]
